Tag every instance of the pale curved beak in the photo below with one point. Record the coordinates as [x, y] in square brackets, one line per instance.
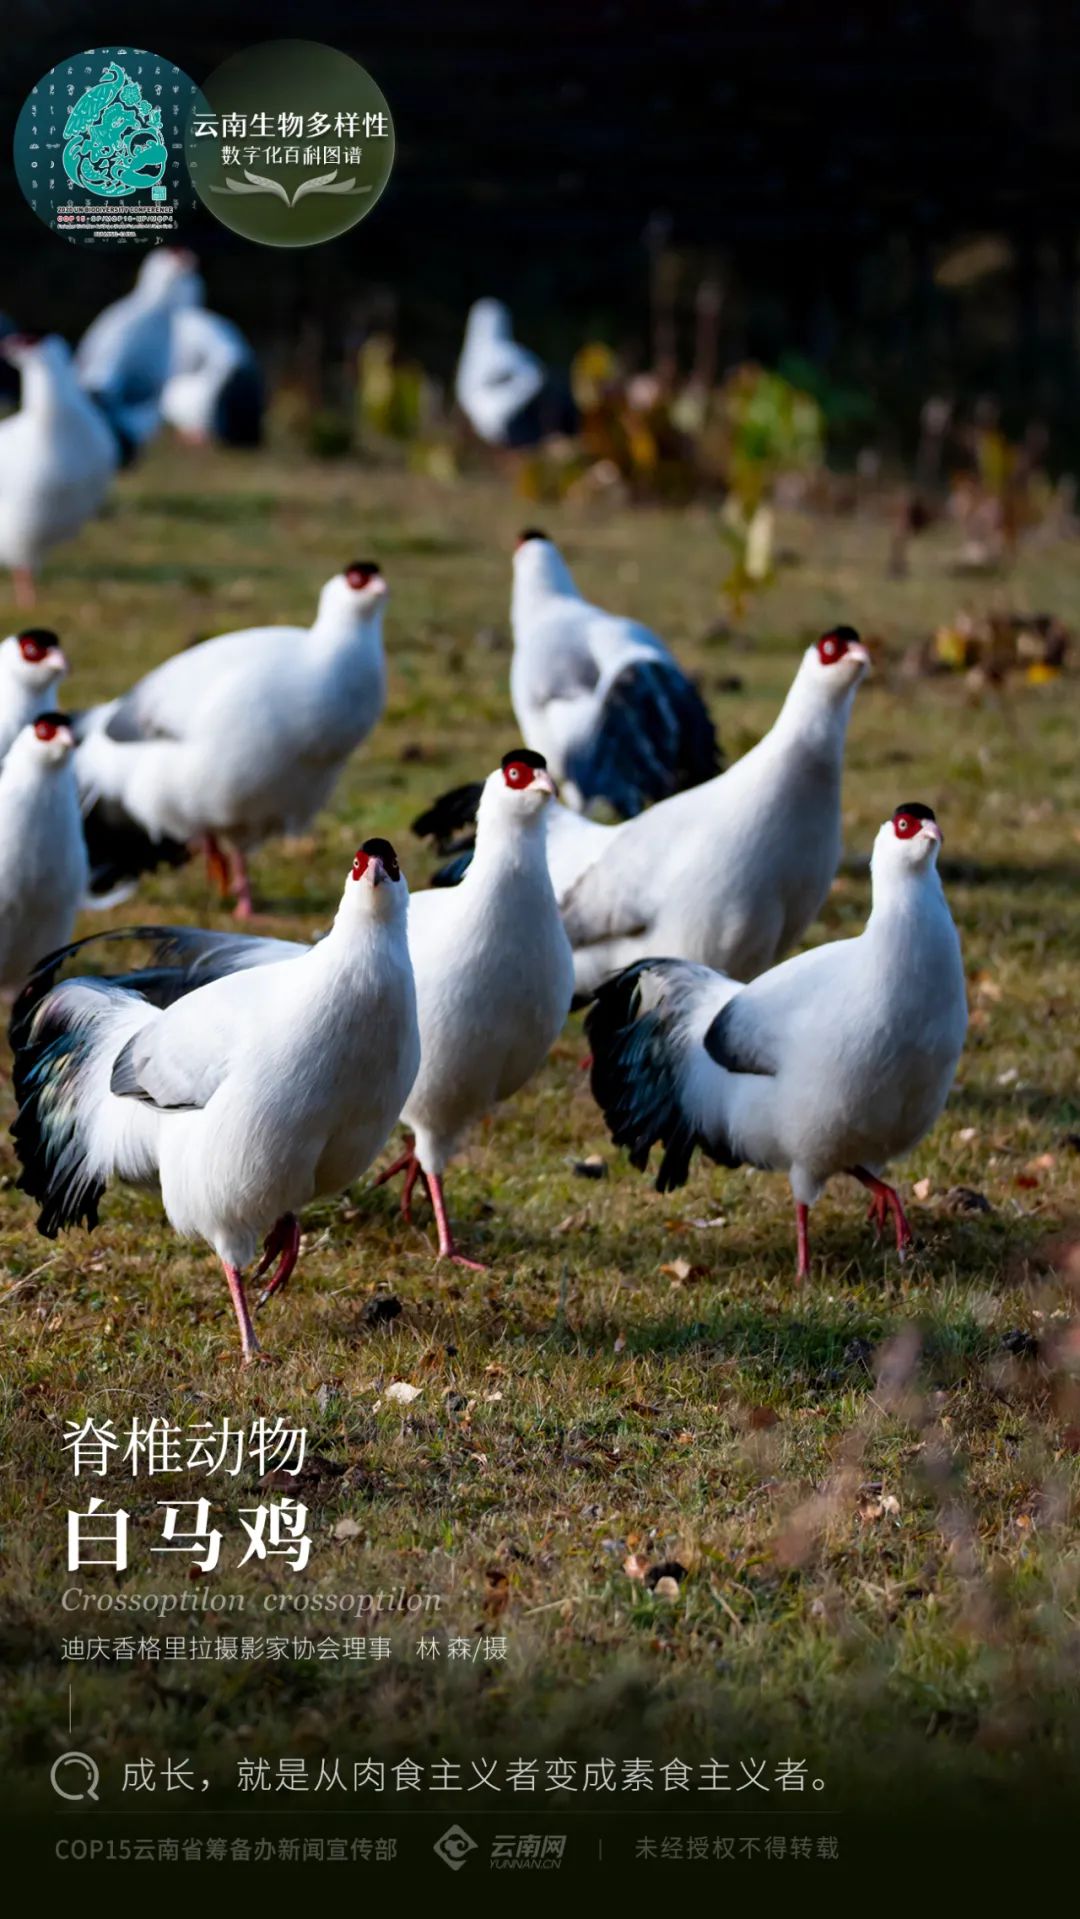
[932, 831]
[376, 873]
[542, 778]
[857, 651]
[56, 657]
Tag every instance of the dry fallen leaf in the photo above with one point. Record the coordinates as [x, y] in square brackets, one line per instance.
[348, 1529]
[666, 1589]
[497, 1595]
[922, 1188]
[636, 1566]
[402, 1392]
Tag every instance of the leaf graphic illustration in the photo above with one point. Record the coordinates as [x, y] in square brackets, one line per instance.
[313, 185]
[237, 186]
[319, 186]
[267, 186]
[319, 183]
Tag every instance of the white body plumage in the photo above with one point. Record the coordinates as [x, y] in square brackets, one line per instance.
[125, 355]
[600, 696]
[57, 455]
[255, 1093]
[731, 873]
[43, 864]
[841, 1059]
[495, 376]
[208, 352]
[494, 973]
[244, 735]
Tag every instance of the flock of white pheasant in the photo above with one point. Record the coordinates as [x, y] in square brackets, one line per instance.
[246, 1076]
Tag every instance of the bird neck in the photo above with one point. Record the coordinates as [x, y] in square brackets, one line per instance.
[812, 720]
[545, 574]
[508, 852]
[905, 903]
[48, 390]
[339, 631]
[359, 943]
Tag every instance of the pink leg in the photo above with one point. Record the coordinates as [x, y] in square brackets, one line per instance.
[283, 1239]
[885, 1200]
[411, 1177]
[22, 580]
[447, 1248]
[241, 886]
[400, 1165]
[802, 1232]
[217, 865]
[252, 1349]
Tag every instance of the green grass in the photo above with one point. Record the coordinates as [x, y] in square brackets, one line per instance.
[881, 1554]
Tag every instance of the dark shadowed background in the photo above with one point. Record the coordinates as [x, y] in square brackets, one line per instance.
[829, 167]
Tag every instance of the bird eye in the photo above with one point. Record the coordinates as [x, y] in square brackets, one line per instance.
[33, 648]
[830, 649]
[45, 729]
[359, 866]
[517, 775]
[905, 826]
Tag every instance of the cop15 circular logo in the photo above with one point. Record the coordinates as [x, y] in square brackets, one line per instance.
[99, 147]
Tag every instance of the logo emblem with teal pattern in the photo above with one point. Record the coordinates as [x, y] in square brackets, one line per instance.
[113, 144]
[99, 148]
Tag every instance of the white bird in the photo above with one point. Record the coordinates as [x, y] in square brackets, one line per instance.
[124, 357]
[494, 975]
[600, 696]
[730, 873]
[236, 739]
[43, 864]
[58, 456]
[494, 979]
[32, 664]
[503, 390]
[214, 390]
[840, 1060]
[244, 1100]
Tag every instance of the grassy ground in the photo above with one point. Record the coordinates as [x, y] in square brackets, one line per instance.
[871, 1483]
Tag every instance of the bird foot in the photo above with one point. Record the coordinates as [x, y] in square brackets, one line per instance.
[885, 1200]
[283, 1240]
[877, 1214]
[458, 1259]
[258, 1356]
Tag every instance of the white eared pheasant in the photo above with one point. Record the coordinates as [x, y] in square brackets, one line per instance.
[58, 456]
[32, 664]
[730, 873]
[840, 1060]
[498, 384]
[236, 739]
[244, 1099]
[215, 388]
[599, 695]
[43, 864]
[125, 356]
[494, 978]
[493, 971]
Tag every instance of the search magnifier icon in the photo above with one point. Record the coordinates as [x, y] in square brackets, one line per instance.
[75, 1769]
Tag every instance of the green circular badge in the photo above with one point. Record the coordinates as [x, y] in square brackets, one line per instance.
[99, 147]
[291, 143]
